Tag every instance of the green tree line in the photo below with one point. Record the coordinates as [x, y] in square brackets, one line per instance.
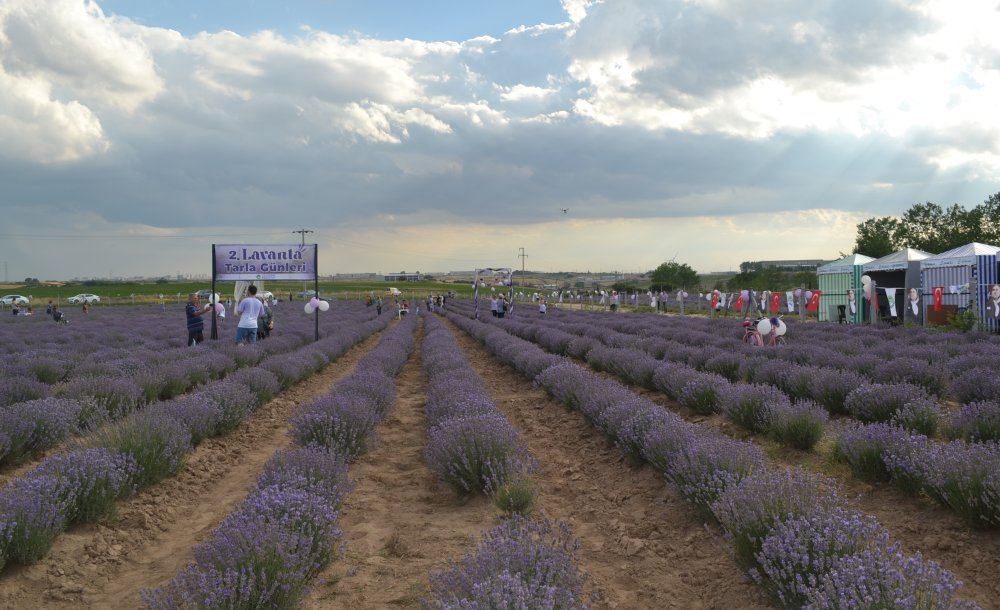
[931, 228]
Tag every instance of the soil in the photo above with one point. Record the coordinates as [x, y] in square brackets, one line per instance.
[640, 544]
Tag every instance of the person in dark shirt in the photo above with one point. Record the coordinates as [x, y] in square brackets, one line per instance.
[195, 323]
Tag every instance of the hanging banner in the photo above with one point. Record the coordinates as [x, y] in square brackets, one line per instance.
[775, 302]
[715, 300]
[264, 262]
[813, 304]
[738, 305]
[938, 293]
[890, 297]
[790, 298]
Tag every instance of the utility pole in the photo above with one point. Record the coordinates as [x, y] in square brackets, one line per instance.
[303, 232]
[523, 256]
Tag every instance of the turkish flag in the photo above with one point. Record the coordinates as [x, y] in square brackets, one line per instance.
[775, 302]
[738, 305]
[813, 304]
[715, 300]
[938, 292]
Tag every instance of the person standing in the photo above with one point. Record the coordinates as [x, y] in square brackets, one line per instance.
[378, 305]
[195, 323]
[250, 308]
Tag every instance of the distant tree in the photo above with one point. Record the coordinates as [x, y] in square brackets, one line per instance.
[673, 275]
[989, 220]
[877, 236]
[162, 280]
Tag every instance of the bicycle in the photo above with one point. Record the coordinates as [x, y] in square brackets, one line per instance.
[753, 337]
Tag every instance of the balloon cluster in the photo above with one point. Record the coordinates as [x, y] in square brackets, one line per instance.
[764, 326]
[315, 304]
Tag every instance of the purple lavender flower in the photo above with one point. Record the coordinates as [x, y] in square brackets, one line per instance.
[704, 468]
[702, 392]
[919, 415]
[340, 423]
[976, 385]
[261, 382]
[966, 478]
[750, 508]
[90, 480]
[885, 578]
[477, 453]
[749, 405]
[726, 364]
[878, 402]
[235, 401]
[863, 448]
[314, 469]
[830, 388]
[154, 440]
[799, 425]
[519, 564]
[976, 422]
[107, 397]
[36, 425]
[908, 459]
[665, 435]
[798, 553]
[35, 513]
[20, 389]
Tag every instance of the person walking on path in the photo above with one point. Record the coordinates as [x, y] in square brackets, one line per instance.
[250, 308]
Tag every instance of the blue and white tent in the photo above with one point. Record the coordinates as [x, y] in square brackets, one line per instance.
[897, 273]
[966, 273]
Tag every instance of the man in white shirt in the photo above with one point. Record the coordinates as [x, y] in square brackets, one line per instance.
[249, 309]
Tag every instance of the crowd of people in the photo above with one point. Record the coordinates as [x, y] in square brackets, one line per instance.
[256, 318]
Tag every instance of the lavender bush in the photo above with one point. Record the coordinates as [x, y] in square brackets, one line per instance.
[966, 478]
[750, 508]
[798, 553]
[907, 460]
[878, 402]
[976, 385]
[235, 403]
[885, 578]
[703, 469]
[798, 425]
[664, 436]
[976, 422]
[340, 423]
[477, 453]
[29, 427]
[35, 512]
[17, 389]
[919, 415]
[518, 564]
[89, 481]
[111, 398]
[830, 388]
[154, 440]
[314, 469]
[749, 405]
[703, 392]
[863, 449]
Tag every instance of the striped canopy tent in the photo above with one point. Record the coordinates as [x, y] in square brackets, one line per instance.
[899, 272]
[965, 274]
[835, 280]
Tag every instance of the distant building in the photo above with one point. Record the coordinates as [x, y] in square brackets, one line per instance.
[403, 276]
[791, 266]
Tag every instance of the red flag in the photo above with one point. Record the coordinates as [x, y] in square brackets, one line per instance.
[813, 304]
[738, 305]
[715, 300]
[775, 302]
[938, 297]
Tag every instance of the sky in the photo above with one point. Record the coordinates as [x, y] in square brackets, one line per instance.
[438, 136]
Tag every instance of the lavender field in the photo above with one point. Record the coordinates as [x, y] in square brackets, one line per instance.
[656, 461]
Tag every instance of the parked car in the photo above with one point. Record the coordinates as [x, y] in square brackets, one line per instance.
[83, 298]
[205, 295]
[15, 299]
[307, 294]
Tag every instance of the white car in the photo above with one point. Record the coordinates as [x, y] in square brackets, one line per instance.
[15, 299]
[83, 298]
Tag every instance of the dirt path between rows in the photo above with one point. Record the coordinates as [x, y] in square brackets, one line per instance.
[106, 565]
[399, 522]
[640, 543]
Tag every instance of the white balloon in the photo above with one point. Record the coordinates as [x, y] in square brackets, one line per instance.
[866, 280]
[323, 305]
[309, 308]
[764, 326]
[314, 302]
[782, 329]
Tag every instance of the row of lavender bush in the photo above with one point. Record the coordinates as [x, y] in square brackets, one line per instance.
[119, 381]
[470, 444]
[145, 447]
[521, 563]
[941, 363]
[794, 419]
[779, 521]
[265, 553]
[964, 477]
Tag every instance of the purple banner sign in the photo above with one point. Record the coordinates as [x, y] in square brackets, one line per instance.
[264, 262]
